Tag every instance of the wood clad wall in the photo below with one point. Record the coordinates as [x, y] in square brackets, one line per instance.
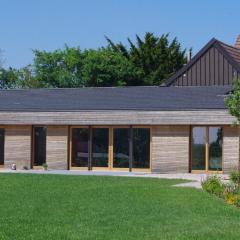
[17, 146]
[230, 148]
[57, 147]
[113, 117]
[211, 69]
[170, 149]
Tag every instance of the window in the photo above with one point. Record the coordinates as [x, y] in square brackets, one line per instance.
[199, 148]
[215, 149]
[207, 148]
[40, 134]
[141, 148]
[79, 147]
[100, 143]
[2, 135]
[121, 147]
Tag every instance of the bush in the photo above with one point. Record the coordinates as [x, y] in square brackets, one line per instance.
[231, 199]
[235, 177]
[213, 185]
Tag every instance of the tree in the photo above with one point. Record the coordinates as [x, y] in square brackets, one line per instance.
[157, 57]
[60, 68]
[105, 68]
[233, 104]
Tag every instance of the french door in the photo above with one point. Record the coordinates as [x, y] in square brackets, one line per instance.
[206, 149]
[110, 148]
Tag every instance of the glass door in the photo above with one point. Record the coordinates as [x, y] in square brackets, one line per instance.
[100, 148]
[40, 135]
[206, 149]
[79, 147]
[121, 148]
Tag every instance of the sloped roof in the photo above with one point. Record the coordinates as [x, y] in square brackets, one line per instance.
[114, 98]
[232, 51]
[232, 54]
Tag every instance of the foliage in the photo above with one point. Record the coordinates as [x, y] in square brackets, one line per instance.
[235, 178]
[230, 191]
[213, 185]
[233, 101]
[148, 62]
[44, 206]
[231, 199]
[157, 57]
[60, 68]
[106, 68]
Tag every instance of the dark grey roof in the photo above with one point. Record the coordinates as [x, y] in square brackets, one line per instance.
[122, 98]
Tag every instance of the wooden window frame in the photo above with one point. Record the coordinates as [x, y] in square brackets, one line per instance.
[206, 149]
[110, 148]
[70, 149]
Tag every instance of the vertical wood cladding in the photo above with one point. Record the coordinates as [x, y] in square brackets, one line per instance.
[17, 146]
[57, 147]
[230, 148]
[212, 68]
[170, 149]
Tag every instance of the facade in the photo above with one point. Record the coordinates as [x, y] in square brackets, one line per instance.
[179, 128]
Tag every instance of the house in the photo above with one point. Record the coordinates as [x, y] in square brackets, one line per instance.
[181, 127]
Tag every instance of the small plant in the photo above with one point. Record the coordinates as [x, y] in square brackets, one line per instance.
[231, 199]
[25, 168]
[45, 166]
[213, 185]
[235, 178]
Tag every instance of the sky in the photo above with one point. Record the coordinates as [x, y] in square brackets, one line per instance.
[49, 24]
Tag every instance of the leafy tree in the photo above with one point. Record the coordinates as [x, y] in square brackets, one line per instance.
[233, 104]
[105, 68]
[157, 57]
[60, 68]
[9, 78]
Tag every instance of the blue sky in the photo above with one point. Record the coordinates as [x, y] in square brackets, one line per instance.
[49, 24]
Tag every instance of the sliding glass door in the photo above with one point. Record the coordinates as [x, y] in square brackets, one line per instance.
[79, 156]
[100, 147]
[122, 148]
[206, 149]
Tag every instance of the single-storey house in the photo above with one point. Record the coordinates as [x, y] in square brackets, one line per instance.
[180, 127]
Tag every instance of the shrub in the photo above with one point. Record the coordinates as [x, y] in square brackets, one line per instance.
[213, 185]
[231, 199]
[237, 202]
[235, 177]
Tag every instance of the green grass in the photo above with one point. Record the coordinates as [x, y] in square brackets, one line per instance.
[94, 207]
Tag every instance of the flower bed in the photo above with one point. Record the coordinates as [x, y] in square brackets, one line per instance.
[230, 191]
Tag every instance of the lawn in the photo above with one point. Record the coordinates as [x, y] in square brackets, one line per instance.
[96, 207]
